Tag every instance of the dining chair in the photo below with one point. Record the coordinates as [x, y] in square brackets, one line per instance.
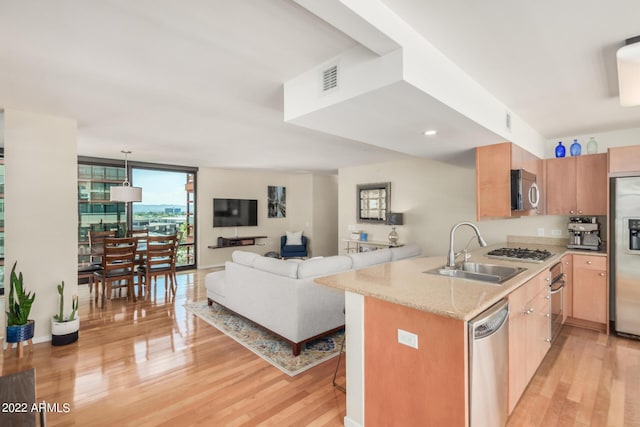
[138, 232]
[118, 266]
[141, 234]
[159, 260]
[96, 242]
[96, 245]
[179, 236]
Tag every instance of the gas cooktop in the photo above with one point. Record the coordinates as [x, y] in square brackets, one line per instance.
[520, 254]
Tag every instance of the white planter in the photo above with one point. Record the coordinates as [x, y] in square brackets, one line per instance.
[63, 333]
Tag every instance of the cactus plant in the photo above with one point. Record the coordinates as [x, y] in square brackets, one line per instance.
[20, 301]
[74, 306]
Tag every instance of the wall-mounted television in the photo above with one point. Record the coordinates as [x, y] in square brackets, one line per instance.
[235, 212]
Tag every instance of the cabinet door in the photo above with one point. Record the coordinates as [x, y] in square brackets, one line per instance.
[624, 159]
[590, 288]
[538, 332]
[591, 184]
[567, 293]
[561, 186]
[493, 181]
[518, 378]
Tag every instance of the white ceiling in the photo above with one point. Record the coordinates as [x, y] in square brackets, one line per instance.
[199, 82]
[552, 62]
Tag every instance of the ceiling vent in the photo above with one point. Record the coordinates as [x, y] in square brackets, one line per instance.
[329, 79]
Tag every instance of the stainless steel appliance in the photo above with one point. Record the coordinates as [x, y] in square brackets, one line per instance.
[525, 193]
[584, 233]
[625, 253]
[520, 254]
[488, 364]
[556, 290]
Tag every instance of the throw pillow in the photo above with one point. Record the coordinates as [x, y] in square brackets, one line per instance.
[294, 238]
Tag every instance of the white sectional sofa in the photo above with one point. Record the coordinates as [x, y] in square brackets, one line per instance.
[281, 295]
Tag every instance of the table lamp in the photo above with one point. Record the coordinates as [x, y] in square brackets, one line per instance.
[394, 218]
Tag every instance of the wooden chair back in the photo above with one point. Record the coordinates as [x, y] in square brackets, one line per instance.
[139, 233]
[161, 252]
[96, 243]
[159, 260]
[119, 256]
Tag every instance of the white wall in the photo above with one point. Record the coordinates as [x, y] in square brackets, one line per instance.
[41, 209]
[325, 215]
[433, 196]
[615, 138]
[301, 206]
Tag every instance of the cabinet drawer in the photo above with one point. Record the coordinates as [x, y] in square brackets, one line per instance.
[591, 262]
[537, 285]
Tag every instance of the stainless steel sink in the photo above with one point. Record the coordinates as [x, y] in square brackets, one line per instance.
[489, 273]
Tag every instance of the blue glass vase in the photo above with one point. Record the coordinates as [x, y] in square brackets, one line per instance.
[560, 150]
[576, 148]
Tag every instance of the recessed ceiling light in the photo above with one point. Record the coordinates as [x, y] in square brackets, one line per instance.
[430, 132]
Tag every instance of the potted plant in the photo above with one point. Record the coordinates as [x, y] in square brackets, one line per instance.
[64, 330]
[19, 326]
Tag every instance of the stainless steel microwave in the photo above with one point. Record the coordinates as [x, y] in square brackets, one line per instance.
[525, 194]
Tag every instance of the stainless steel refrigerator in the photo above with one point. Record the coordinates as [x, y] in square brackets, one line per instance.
[625, 253]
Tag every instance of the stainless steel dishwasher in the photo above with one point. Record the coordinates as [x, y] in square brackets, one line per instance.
[488, 366]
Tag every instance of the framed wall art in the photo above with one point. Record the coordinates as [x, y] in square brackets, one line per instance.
[277, 201]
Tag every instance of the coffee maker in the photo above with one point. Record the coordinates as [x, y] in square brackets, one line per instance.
[584, 233]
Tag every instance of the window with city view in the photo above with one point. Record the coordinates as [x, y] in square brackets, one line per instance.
[167, 207]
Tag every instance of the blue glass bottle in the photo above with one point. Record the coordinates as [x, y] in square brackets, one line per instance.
[575, 148]
[560, 150]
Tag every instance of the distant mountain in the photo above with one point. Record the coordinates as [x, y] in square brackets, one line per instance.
[140, 208]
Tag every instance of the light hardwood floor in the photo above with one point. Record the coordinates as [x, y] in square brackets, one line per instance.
[151, 363]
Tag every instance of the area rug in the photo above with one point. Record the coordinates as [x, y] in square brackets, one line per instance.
[268, 346]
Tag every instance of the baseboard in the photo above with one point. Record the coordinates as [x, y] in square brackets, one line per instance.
[206, 267]
[348, 422]
[586, 324]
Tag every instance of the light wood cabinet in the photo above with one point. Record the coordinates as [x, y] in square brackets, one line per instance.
[590, 290]
[624, 159]
[567, 292]
[528, 333]
[577, 185]
[518, 377]
[493, 178]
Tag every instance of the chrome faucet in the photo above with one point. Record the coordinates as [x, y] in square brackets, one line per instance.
[451, 258]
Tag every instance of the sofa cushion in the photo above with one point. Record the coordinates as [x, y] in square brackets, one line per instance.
[214, 282]
[294, 238]
[323, 266]
[365, 259]
[277, 266]
[244, 257]
[406, 251]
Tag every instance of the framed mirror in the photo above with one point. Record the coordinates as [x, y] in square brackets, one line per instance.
[373, 202]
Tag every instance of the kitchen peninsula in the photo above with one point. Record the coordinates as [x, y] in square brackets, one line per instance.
[392, 383]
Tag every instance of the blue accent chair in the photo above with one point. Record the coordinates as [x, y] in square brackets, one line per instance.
[293, 251]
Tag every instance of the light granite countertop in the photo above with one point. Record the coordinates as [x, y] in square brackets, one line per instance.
[405, 282]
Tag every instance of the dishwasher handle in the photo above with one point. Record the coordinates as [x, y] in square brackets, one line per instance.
[491, 322]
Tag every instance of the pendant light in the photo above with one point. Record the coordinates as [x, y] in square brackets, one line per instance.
[629, 72]
[125, 193]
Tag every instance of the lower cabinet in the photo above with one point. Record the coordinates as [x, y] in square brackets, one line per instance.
[529, 333]
[567, 293]
[590, 288]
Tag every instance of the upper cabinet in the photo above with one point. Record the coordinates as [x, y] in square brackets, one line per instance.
[493, 179]
[624, 160]
[577, 185]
